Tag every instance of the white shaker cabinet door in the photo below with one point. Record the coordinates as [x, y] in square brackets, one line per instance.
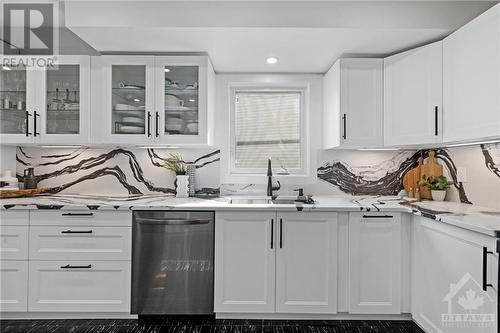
[13, 242]
[245, 262]
[374, 263]
[79, 286]
[306, 273]
[13, 286]
[471, 72]
[413, 88]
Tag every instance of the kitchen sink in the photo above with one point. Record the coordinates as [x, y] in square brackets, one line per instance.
[264, 200]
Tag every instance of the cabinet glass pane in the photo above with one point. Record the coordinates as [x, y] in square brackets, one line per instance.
[181, 100]
[63, 100]
[128, 99]
[12, 100]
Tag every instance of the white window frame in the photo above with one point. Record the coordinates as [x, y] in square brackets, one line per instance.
[303, 175]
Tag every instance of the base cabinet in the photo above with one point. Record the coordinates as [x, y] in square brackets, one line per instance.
[448, 276]
[13, 286]
[306, 272]
[79, 286]
[244, 262]
[275, 263]
[375, 263]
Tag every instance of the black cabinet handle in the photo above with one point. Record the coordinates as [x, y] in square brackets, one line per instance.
[77, 214]
[436, 131]
[71, 266]
[272, 233]
[149, 124]
[344, 120]
[76, 232]
[485, 269]
[377, 216]
[27, 123]
[157, 118]
[281, 233]
[35, 115]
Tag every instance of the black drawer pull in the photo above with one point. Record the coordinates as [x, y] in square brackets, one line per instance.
[377, 216]
[485, 269]
[70, 266]
[76, 232]
[78, 214]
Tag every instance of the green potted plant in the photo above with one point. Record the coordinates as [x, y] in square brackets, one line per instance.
[175, 164]
[437, 185]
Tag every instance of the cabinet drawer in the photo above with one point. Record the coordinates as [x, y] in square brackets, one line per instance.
[82, 217]
[13, 242]
[80, 243]
[79, 286]
[14, 217]
[13, 286]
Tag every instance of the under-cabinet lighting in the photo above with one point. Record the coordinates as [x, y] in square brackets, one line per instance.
[157, 147]
[473, 143]
[136, 100]
[167, 70]
[62, 146]
[192, 100]
[272, 60]
[378, 149]
[7, 68]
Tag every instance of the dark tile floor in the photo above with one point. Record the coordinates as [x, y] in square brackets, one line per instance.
[204, 325]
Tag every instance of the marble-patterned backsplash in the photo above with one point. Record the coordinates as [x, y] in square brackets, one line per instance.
[122, 171]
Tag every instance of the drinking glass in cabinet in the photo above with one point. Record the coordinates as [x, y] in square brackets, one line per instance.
[128, 99]
[12, 99]
[63, 100]
[181, 100]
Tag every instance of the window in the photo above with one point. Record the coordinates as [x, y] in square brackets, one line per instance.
[267, 123]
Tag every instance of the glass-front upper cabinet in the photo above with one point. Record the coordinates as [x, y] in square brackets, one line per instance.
[124, 113]
[183, 87]
[48, 105]
[66, 101]
[15, 101]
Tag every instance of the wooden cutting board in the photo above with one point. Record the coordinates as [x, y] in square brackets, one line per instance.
[430, 169]
[411, 178]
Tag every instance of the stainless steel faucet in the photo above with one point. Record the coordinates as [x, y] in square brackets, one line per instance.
[270, 187]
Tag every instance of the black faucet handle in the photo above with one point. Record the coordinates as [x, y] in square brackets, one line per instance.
[301, 192]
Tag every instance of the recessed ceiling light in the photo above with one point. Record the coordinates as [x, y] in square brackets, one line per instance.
[136, 100]
[192, 100]
[272, 60]
[7, 68]
[167, 70]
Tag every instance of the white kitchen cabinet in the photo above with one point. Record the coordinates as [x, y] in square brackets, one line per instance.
[447, 276]
[123, 99]
[184, 100]
[80, 243]
[413, 96]
[375, 254]
[79, 286]
[81, 218]
[471, 59]
[50, 106]
[13, 286]
[153, 100]
[14, 217]
[353, 104]
[245, 246]
[13, 242]
[306, 271]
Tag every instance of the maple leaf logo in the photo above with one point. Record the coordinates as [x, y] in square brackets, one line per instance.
[470, 301]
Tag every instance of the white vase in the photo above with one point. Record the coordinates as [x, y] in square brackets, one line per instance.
[438, 195]
[182, 186]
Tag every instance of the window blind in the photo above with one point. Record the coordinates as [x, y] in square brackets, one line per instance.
[267, 124]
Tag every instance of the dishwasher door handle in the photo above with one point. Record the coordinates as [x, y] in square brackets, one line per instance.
[171, 221]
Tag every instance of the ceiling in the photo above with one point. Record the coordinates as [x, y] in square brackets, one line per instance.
[306, 36]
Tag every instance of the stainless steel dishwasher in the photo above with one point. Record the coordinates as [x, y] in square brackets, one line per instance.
[172, 262]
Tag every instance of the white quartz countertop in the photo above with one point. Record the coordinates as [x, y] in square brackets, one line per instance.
[475, 218]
